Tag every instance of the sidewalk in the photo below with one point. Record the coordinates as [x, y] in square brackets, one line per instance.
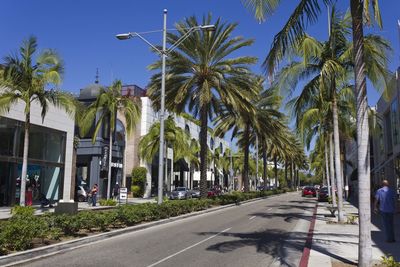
[5, 212]
[337, 245]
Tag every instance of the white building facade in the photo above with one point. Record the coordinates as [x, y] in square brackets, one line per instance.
[180, 175]
[49, 157]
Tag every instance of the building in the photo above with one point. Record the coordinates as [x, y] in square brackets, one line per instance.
[49, 158]
[179, 173]
[92, 158]
[385, 139]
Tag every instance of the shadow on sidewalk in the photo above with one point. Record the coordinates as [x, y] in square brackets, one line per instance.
[378, 237]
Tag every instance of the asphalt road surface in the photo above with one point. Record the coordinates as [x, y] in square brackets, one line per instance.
[269, 232]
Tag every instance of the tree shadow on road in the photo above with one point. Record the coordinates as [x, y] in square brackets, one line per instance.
[286, 247]
[288, 217]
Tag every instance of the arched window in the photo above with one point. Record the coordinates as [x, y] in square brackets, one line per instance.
[212, 144]
[119, 132]
[221, 148]
[187, 129]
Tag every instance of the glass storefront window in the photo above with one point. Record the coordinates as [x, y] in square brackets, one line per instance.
[9, 132]
[45, 161]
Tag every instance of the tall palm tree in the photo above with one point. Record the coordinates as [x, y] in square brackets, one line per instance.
[247, 125]
[202, 74]
[26, 81]
[107, 105]
[328, 65]
[307, 12]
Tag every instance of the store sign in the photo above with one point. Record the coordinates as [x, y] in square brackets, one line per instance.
[123, 193]
[117, 165]
[104, 157]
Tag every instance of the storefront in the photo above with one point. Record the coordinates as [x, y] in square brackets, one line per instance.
[46, 159]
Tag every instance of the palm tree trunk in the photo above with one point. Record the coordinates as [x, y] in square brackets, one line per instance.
[332, 169]
[360, 92]
[25, 158]
[109, 164]
[245, 172]
[336, 143]
[276, 170]
[298, 178]
[291, 175]
[264, 155]
[286, 174]
[328, 181]
[203, 151]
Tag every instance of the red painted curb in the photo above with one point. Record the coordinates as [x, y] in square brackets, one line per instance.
[307, 247]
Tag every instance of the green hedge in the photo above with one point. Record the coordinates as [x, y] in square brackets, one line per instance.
[24, 228]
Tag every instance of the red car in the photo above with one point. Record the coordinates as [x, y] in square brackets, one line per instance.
[214, 192]
[309, 191]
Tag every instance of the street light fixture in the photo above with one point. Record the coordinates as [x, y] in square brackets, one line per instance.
[164, 52]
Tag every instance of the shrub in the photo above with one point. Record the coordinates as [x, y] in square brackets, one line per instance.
[107, 202]
[136, 191]
[139, 179]
[389, 261]
[19, 231]
[126, 214]
[24, 211]
[69, 224]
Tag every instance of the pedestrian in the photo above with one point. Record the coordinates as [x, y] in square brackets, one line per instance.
[385, 197]
[93, 193]
[116, 191]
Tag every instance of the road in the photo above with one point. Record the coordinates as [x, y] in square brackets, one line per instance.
[269, 232]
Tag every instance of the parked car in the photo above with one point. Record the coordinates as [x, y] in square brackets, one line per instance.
[323, 194]
[81, 192]
[195, 192]
[309, 191]
[214, 191]
[180, 193]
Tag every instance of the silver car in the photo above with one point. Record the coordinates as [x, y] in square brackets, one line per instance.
[180, 193]
[195, 192]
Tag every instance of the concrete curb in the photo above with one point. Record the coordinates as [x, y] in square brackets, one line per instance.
[46, 251]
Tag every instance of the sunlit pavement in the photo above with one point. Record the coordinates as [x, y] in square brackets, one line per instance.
[269, 232]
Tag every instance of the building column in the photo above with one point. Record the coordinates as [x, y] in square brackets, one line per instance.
[66, 204]
[68, 169]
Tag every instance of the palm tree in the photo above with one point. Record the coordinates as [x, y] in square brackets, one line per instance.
[108, 104]
[307, 12]
[327, 66]
[175, 137]
[246, 125]
[26, 81]
[201, 74]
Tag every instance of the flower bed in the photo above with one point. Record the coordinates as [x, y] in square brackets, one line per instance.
[24, 230]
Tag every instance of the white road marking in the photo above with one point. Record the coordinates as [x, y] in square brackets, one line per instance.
[192, 246]
[269, 209]
[251, 218]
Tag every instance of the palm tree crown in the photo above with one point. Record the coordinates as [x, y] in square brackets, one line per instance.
[201, 76]
[26, 81]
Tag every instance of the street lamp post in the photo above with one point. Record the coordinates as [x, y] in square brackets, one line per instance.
[164, 52]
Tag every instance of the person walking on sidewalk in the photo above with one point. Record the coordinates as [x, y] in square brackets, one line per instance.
[93, 193]
[385, 197]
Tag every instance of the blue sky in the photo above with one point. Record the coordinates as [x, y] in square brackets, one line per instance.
[83, 32]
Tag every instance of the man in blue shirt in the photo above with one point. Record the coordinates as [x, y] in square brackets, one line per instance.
[386, 198]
